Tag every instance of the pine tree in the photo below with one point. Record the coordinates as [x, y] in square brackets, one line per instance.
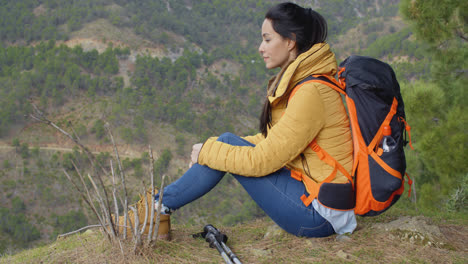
[437, 105]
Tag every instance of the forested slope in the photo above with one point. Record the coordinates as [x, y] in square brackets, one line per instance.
[172, 73]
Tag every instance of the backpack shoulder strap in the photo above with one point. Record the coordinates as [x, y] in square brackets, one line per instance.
[323, 79]
[321, 153]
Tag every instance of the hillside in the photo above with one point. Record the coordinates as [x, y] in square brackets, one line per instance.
[172, 73]
[388, 240]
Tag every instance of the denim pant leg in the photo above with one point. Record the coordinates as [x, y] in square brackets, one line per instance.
[278, 194]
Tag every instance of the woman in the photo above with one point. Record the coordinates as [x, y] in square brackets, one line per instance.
[265, 164]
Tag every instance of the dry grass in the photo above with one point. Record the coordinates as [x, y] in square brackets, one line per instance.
[249, 243]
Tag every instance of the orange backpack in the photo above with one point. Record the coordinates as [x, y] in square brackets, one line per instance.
[374, 101]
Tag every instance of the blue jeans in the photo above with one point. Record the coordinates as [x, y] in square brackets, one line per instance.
[277, 194]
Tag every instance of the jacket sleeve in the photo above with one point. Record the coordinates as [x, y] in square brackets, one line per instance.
[301, 122]
[255, 139]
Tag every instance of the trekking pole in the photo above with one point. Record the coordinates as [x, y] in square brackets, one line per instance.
[221, 238]
[210, 238]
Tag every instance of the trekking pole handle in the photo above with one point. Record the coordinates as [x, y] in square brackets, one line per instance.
[230, 253]
[221, 238]
[210, 238]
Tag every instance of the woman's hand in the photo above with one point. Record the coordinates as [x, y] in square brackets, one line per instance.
[195, 152]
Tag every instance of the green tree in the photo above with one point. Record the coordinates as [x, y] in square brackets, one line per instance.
[98, 129]
[180, 141]
[17, 205]
[127, 134]
[437, 21]
[437, 107]
[70, 221]
[6, 164]
[15, 224]
[24, 150]
[161, 165]
[16, 143]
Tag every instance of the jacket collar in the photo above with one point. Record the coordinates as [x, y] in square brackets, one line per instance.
[317, 60]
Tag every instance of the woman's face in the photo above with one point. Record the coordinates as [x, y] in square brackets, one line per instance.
[275, 50]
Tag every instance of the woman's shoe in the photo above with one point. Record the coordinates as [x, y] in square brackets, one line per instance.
[164, 218]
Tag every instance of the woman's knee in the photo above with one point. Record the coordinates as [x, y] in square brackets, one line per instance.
[226, 137]
[232, 139]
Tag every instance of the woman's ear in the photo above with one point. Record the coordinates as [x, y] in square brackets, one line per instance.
[292, 48]
[291, 45]
[292, 42]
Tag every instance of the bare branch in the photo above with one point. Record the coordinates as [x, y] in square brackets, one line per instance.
[100, 201]
[114, 190]
[41, 118]
[73, 130]
[137, 234]
[150, 230]
[158, 212]
[146, 209]
[121, 250]
[459, 32]
[89, 202]
[91, 157]
[77, 231]
[122, 177]
[415, 200]
[101, 219]
[129, 225]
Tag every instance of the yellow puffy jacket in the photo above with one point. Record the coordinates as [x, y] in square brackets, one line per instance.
[316, 111]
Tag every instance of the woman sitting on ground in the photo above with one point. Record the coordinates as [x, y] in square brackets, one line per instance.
[275, 165]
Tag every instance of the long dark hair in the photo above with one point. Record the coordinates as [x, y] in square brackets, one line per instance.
[303, 25]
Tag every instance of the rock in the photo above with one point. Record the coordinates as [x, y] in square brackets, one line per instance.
[261, 252]
[273, 231]
[312, 242]
[414, 230]
[343, 254]
[88, 232]
[343, 237]
[413, 224]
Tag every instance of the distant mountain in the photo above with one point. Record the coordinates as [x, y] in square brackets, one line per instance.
[164, 73]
